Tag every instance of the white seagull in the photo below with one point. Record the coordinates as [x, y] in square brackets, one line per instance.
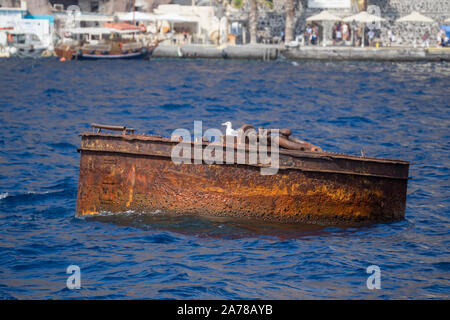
[230, 131]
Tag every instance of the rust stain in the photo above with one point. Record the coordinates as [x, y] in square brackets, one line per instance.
[131, 188]
[316, 188]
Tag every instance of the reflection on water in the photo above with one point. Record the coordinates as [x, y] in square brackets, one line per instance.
[218, 227]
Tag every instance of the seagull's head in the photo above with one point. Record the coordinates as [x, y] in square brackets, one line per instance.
[228, 124]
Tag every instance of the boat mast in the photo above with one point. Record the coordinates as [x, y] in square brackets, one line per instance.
[134, 10]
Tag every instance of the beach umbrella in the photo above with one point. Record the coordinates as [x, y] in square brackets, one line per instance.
[364, 17]
[415, 17]
[324, 16]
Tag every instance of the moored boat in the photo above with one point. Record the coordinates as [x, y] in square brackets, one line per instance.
[127, 171]
[114, 41]
[26, 44]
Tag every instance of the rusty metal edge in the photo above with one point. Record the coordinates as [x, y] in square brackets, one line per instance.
[294, 153]
[144, 154]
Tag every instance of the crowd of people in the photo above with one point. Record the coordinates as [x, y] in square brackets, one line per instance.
[340, 32]
[443, 39]
[353, 35]
[343, 34]
[311, 34]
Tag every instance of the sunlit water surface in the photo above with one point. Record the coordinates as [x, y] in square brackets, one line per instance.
[390, 110]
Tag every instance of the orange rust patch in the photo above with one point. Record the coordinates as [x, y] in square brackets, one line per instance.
[132, 179]
[125, 182]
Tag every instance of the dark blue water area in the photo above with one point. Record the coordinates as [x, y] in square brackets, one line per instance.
[391, 110]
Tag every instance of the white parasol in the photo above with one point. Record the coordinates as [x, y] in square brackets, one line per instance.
[415, 17]
[325, 15]
[364, 17]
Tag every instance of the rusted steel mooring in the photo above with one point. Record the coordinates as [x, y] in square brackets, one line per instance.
[122, 172]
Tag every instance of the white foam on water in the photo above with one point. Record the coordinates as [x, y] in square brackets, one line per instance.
[3, 195]
[43, 192]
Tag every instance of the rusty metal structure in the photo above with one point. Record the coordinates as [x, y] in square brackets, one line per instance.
[125, 171]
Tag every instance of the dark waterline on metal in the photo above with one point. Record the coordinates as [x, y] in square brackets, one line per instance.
[391, 110]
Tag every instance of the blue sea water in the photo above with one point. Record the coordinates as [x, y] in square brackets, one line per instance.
[392, 110]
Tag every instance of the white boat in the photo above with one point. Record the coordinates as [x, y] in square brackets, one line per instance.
[24, 35]
[114, 41]
[27, 44]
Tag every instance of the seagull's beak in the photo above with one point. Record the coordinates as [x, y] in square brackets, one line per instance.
[224, 124]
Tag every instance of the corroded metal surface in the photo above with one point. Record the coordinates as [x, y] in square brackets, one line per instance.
[119, 173]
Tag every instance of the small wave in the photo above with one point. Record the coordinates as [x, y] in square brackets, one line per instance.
[105, 213]
[444, 265]
[162, 238]
[175, 106]
[32, 196]
[130, 213]
[219, 108]
[354, 121]
[3, 195]
[51, 91]
[62, 145]
[66, 183]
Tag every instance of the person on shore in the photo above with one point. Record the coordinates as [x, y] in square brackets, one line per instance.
[338, 34]
[333, 34]
[446, 40]
[370, 37]
[345, 32]
[355, 33]
[440, 38]
[308, 33]
[391, 37]
[359, 37]
[314, 35]
[365, 36]
[350, 34]
[426, 40]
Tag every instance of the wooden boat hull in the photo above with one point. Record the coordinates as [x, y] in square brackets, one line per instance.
[142, 54]
[119, 173]
[73, 53]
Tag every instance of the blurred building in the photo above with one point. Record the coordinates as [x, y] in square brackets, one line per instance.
[23, 22]
[110, 6]
[33, 6]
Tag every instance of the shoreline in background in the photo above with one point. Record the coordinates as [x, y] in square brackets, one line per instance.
[270, 52]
